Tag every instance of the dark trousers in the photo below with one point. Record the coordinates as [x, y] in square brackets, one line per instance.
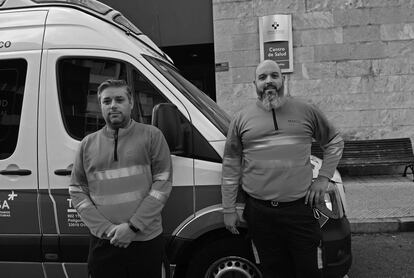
[139, 259]
[287, 238]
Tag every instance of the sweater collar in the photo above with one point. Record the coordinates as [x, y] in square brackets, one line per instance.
[121, 131]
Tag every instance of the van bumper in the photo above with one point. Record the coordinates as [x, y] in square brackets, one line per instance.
[336, 234]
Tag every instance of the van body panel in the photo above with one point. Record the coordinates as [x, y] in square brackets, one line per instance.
[87, 32]
[15, 269]
[22, 31]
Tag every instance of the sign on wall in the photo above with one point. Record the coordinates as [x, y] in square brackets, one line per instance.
[275, 32]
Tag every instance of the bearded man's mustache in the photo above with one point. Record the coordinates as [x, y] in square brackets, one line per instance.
[267, 87]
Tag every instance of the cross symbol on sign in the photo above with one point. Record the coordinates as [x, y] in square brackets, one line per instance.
[275, 25]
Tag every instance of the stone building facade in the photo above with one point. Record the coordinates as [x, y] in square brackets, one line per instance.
[352, 58]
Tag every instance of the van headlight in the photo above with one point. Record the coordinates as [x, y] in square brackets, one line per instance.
[332, 207]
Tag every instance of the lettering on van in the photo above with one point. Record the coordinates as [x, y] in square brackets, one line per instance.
[3, 106]
[5, 44]
[74, 220]
[5, 204]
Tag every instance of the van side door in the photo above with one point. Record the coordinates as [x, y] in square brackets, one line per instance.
[19, 219]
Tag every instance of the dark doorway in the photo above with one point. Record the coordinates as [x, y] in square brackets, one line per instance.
[196, 63]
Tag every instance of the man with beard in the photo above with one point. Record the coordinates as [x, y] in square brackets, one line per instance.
[268, 152]
[121, 179]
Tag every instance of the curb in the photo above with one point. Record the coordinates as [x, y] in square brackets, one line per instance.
[382, 225]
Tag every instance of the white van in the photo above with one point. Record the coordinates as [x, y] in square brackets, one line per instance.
[53, 56]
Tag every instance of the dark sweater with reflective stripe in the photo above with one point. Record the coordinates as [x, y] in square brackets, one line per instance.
[128, 180]
[268, 152]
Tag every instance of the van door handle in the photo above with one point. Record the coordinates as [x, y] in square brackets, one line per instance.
[63, 172]
[18, 172]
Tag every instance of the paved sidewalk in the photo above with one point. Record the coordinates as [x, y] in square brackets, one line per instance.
[380, 203]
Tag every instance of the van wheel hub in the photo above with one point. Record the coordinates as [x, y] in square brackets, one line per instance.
[232, 267]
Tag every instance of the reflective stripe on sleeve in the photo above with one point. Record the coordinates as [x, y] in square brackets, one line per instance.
[161, 176]
[74, 188]
[230, 181]
[160, 196]
[83, 204]
[231, 162]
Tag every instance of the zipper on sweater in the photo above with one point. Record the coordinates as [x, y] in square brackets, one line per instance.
[274, 119]
[116, 145]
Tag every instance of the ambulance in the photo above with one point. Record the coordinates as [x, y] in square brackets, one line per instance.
[53, 56]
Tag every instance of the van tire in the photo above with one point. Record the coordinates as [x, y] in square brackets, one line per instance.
[232, 254]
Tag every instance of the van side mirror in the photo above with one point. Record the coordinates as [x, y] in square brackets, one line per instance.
[166, 117]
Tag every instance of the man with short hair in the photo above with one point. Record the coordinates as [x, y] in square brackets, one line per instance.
[268, 151]
[121, 180]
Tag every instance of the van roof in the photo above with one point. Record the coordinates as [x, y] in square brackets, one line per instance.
[92, 7]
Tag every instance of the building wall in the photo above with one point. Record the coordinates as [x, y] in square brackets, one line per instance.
[352, 58]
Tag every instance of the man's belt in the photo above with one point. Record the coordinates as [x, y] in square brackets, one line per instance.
[276, 204]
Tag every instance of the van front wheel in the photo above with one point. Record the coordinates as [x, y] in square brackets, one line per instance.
[228, 257]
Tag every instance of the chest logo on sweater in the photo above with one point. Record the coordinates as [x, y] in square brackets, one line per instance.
[293, 122]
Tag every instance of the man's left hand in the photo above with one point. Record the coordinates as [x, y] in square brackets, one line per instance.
[121, 235]
[317, 190]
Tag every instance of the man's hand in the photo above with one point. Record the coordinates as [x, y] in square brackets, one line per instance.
[230, 221]
[121, 235]
[316, 192]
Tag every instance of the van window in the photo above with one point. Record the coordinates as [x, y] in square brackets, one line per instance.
[12, 81]
[206, 105]
[79, 79]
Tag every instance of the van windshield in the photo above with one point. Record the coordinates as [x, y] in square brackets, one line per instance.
[205, 104]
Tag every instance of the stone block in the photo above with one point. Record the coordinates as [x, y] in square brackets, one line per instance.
[380, 84]
[320, 36]
[369, 50]
[313, 20]
[332, 86]
[332, 52]
[324, 5]
[230, 10]
[222, 56]
[269, 7]
[407, 83]
[235, 26]
[245, 58]
[403, 116]
[388, 15]
[245, 42]
[224, 77]
[361, 33]
[246, 25]
[228, 1]
[353, 68]
[343, 102]
[243, 75]
[222, 42]
[391, 66]
[404, 49]
[351, 17]
[318, 70]
[303, 54]
[224, 27]
[381, 3]
[401, 31]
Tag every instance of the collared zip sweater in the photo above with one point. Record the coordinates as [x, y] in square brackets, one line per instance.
[268, 152]
[121, 176]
